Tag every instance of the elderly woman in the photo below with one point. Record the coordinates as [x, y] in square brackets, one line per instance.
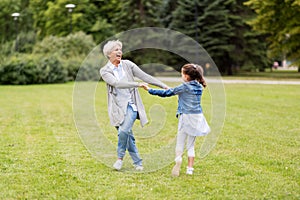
[124, 101]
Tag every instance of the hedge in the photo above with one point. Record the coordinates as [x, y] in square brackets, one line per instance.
[22, 69]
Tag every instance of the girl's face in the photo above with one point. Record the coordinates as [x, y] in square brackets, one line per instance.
[116, 55]
[184, 77]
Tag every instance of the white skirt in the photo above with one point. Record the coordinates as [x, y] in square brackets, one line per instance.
[193, 124]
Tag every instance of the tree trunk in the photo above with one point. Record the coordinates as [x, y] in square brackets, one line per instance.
[229, 71]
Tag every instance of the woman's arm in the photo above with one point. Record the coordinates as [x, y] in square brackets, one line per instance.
[137, 72]
[110, 79]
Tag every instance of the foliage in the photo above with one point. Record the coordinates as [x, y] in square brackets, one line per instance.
[74, 45]
[102, 18]
[10, 27]
[38, 8]
[29, 69]
[134, 14]
[88, 72]
[54, 59]
[101, 30]
[279, 21]
[25, 42]
[208, 23]
[7, 48]
[79, 70]
[72, 65]
[71, 49]
[250, 48]
[219, 26]
[52, 18]
[7, 24]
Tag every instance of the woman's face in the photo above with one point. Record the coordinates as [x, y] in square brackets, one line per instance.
[116, 55]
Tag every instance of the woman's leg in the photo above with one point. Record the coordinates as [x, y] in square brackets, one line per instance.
[124, 131]
[127, 137]
[133, 151]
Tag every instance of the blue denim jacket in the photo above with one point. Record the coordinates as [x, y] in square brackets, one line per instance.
[189, 97]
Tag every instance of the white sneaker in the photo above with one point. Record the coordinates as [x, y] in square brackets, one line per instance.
[139, 168]
[189, 170]
[118, 164]
[176, 168]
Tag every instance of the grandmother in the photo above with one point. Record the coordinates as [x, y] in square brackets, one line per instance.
[124, 102]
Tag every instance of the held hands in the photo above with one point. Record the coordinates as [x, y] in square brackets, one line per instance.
[144, 85]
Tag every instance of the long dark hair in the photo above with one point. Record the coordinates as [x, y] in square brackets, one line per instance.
[195, 72]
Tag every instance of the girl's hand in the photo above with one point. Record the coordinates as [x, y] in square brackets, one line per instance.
[144, 85]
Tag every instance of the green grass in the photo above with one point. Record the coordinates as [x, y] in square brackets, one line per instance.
[256, 157]
[274, 75]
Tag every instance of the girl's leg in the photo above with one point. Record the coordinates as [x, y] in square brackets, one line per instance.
[191, 153]
[179, 151]
[191, 162]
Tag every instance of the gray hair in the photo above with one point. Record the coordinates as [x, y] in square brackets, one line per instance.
[109, 47]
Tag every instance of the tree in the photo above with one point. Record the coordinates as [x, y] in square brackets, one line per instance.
[219, 26]
[279, 20]
[103, 16]
[8, 27]
[137, 13]
[52, 18]
[38, 9]
[168, 6]
[208, 23]
[250, 51]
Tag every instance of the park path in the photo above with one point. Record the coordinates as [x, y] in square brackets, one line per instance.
[236, 81]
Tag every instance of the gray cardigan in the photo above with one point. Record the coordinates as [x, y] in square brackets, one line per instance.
[117, 107]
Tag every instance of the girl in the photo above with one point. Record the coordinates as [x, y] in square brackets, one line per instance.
[192, 122]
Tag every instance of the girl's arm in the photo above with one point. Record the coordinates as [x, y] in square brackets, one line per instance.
[161, 93]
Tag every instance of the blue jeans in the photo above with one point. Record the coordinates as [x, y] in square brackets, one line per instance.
[126, 139]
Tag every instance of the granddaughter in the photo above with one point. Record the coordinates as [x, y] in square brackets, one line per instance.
[192, 122]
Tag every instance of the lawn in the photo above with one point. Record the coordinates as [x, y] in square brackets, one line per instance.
[268, 75]
[256, 156]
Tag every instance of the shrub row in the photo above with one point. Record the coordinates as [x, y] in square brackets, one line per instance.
[52, 60]
[24, 69]
[29, 69]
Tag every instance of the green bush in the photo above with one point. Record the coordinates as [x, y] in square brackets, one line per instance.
[24, 69]
[72, 50]
[72, 65]
[88, 71]
[75, 45]
[7, 48]
[26, 42]
[54, 60]
[249, 67]
[18, 70]
[52, 70]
